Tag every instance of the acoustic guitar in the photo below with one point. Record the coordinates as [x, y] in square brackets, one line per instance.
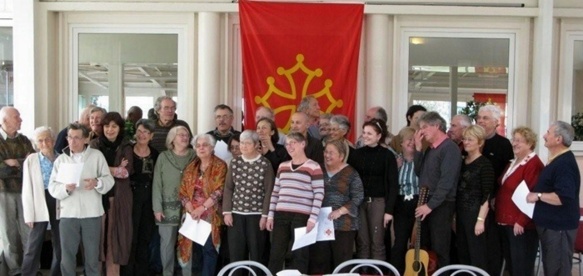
[417, 259]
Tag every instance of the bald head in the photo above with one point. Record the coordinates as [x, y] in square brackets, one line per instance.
[134, 114]
[10, 120]
[299, 123]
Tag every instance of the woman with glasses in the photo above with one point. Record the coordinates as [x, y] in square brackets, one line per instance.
[378, 170]
[295, 202]
[117, 230]
[165, 202]
[519, 236]
[143, 221]
[339, 128]
[248, 188]
[201, 193]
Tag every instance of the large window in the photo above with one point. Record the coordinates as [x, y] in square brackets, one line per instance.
[117, 71]
[571, 82]
[446, 72]
[6, 72]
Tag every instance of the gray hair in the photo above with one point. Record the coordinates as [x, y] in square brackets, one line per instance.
[326, 116]
[495, 110]
[465, 120]
[98, 109]
[172, 134]
[565, 130]
[296, 136]
[40, 130]
[249, 135]
[433, 118]
[381, 113]
[3, 113]
[209, 138]
[305, 103]
[269, 110]
[342, 121]
[159, 101]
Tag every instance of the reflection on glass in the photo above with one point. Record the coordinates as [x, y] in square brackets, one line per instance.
[6, 72]
[117, 71]
[577, 103]
[443, 70]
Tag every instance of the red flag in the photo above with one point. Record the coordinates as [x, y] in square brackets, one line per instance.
[291, 50]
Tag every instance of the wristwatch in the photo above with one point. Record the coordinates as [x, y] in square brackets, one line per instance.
[539, 195]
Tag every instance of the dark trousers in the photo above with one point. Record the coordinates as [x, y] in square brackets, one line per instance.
[370, 241]
[519, 251]
[143, 226]
[493, 244]
[284, 224]
[436, 231]
[471, 248]
[403, 222]
[557, 250]
[327, 255]
[207, 256]
[36, 237]
[246, 240]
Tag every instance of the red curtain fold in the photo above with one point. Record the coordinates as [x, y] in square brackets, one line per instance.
[291, 50]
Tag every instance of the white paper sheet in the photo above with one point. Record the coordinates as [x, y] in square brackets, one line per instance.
[519, 198]
[196, 231]
[325, 225]
[70, 173]
[222, 151]
[303, 239]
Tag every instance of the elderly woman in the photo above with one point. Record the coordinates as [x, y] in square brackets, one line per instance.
[295, 202]
[339, 128]
[141, 183]
[38, 205]
[378, 170]
[118, 202]
[248, 188]
[268, 146]
[201, 191]
[344, 193]
[519, 235]
[474, 190]
[404, 145]
[166, 184]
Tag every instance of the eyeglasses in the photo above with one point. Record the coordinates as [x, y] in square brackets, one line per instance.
[246, 143]
[222, 117]
[169, 108]
[74, 138]
[198, 146]
[290, 143]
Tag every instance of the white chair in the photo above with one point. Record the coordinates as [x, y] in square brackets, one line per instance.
[246, 265]
[358, 263]
[472, 270]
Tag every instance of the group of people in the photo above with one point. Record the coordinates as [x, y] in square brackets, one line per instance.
[138, 180]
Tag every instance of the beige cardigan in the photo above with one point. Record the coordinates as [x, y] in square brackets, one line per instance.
[33, 191]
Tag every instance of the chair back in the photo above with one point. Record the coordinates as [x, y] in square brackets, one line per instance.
[374, 264]
[458, 268]
[245, 265]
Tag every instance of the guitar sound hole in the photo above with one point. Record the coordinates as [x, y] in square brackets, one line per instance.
[417, 265]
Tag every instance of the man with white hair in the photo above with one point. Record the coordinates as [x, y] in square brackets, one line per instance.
[310, 106]
[498, 150]
[14, 148]
[458, 123]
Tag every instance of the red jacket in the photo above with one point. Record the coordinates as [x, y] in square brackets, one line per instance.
[506, 211]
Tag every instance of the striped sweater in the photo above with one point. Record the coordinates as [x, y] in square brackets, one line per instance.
[298, 191]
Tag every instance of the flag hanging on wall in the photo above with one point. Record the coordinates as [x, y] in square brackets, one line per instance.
[291, 50]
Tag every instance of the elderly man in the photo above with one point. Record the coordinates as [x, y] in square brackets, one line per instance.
[556, 198]
[458, 123]
[314, 149]
[61, 141]
[266, 112]
[165, 110]
[310, 106]
[224, 129]
[438, 168]
[498, 150]
[80, 206]
[14, 147]
[134, 114]
[95, 118]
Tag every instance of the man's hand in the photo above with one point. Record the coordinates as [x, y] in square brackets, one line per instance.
[70, 187]
[387, 219]
[422, 211]
[90, 183]
[12, 162]
[532, 198]
[418, 140]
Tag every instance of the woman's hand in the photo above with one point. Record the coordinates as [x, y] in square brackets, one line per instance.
[197, 213]
[228, 218]
[262, 223]
[269, 225]
[335, 214]
[518, 230]
[124, 163]
[479, 228]
[387, 219]
[310, 226]
[159, 216]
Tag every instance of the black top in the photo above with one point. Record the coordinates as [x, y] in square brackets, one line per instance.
[144, 168]
[314, 150]
[498, 150]
[61, 141]
[476, 184]
[278, 156]
[223, 137]
[378, 170]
